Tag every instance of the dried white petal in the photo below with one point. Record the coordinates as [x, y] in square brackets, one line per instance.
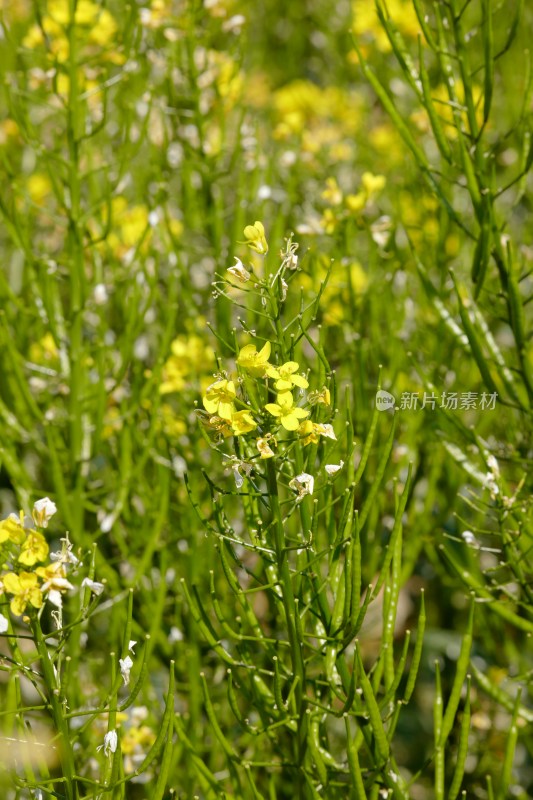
[110, 743]
[43, 511]
[303, 484]
[125, 667]
[332, 469]
[94, 586]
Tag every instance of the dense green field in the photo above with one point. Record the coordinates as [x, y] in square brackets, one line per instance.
[266, 357]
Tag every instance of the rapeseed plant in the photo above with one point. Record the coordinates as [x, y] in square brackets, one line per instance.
[294, 471]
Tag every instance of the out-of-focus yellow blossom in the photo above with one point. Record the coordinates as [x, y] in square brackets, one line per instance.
[386, 140]
[286, 412]
[263, 445]
[219, 399]
[189, 355]
[286, 377]
[302, 107]
[130, 225]
[12, 529]
[332, 193]
[39, 187]
[230, 79]
[219, 8]
[365, 21]
[445, 111]
[257, 92]
[372, 184]
[98, 25]
[355, 202]
[321, 396]
[329, 221]
[155, 14]
[113, 422]
[25, 589]
[8, 130]
[15, 9]
[242, 422]
[312, 431]
[256, 363]
[173, 425]
[34, 549]
[136, 740]
[105, 29]
[255, 237]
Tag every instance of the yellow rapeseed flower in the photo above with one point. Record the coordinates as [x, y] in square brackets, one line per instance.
[12, 528]
[25, 589]
[242, 422]
[372, 184]
[322, 396]
[33, 549]
[286, 377]
[263, 445]
[312, 431]
[288, 414]
[256, 363]
[219, 398]
[255, 237]
[332, 193]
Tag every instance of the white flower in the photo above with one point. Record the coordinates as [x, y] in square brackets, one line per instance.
[66, 556]
[100, 295]
[469, 537]
[43, 511]
[131, 645]
[110, 743]
[94, 586]
[175, 635]
[332, 469]
[239, 271]
[3, 624]
[326, 430]
[303, 484]
[238, 467]
[125, 667]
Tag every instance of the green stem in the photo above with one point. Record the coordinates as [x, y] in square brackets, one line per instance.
[57, 708]
[291, 611]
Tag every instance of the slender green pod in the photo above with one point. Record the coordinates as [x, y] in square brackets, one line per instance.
[488, 54]
[510, 747]
[378, 477]
[423, 22]
[437, 736]
[417, 654]
[357, 789]
[462, 749]
[438, 132]
[212, 717]
[378, 730]
[460, 675]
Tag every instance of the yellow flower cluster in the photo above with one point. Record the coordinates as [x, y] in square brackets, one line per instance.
[366, 22]
[229, 415]
[95, 26]
[23, 546]
[353, 204]
[322, 118]
[189, 358]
